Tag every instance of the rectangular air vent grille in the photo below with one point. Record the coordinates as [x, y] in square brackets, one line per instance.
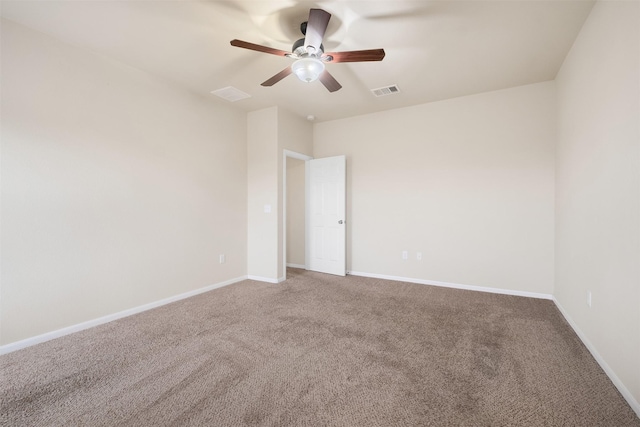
[231, 94]
[387, 90]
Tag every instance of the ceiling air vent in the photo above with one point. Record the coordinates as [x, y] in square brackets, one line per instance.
[231, 94]
[384, 91]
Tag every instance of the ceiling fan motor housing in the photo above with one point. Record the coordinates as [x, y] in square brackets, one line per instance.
[300, 50]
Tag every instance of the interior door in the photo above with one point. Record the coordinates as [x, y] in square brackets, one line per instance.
[326, 232]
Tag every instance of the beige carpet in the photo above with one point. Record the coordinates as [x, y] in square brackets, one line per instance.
[318, 350]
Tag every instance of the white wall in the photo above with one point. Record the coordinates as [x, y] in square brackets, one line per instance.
[598, 187]
[469, 182]
[117, 188]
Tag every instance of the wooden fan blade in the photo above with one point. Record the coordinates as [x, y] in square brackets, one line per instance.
[257, 47]
[316, 27]
[329, 82]
[275, 79]
[356, 55]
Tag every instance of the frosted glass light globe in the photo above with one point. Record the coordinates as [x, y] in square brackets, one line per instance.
[308, 69]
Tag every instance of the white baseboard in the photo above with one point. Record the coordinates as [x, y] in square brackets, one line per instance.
[454, 285]
[266, 279]
[604, 365]
[304, 267]
[8, 348]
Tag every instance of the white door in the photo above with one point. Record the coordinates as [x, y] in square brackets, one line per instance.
[326, 237]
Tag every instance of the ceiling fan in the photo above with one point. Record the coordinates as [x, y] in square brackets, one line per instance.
[310, 55]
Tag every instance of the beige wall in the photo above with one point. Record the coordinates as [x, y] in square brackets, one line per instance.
[270, 132]
[598, 187]
[295, 211]
[117, 188]
[468, 182]
[294, 134]
[262, 145]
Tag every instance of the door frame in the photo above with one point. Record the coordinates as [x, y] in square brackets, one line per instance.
[305, 158]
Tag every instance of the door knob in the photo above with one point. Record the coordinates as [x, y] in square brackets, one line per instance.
[340, 222]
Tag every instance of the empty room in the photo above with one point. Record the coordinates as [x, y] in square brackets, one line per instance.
[332, 213]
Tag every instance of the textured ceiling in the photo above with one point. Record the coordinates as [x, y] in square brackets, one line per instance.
[434, 49]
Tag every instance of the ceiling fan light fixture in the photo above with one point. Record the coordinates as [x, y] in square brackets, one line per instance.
[308, 69]
[310, 55]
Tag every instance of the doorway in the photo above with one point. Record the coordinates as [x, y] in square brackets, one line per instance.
[295, 213]
[294, 210]
[313, 220]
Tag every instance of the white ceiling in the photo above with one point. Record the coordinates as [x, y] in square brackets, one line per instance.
[434, 49]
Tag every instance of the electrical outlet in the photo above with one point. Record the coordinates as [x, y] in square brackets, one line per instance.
[419, 256]
[589, 298]
[405, 255]
[222, 259]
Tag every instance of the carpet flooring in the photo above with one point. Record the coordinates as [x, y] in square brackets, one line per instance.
[318, 350]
